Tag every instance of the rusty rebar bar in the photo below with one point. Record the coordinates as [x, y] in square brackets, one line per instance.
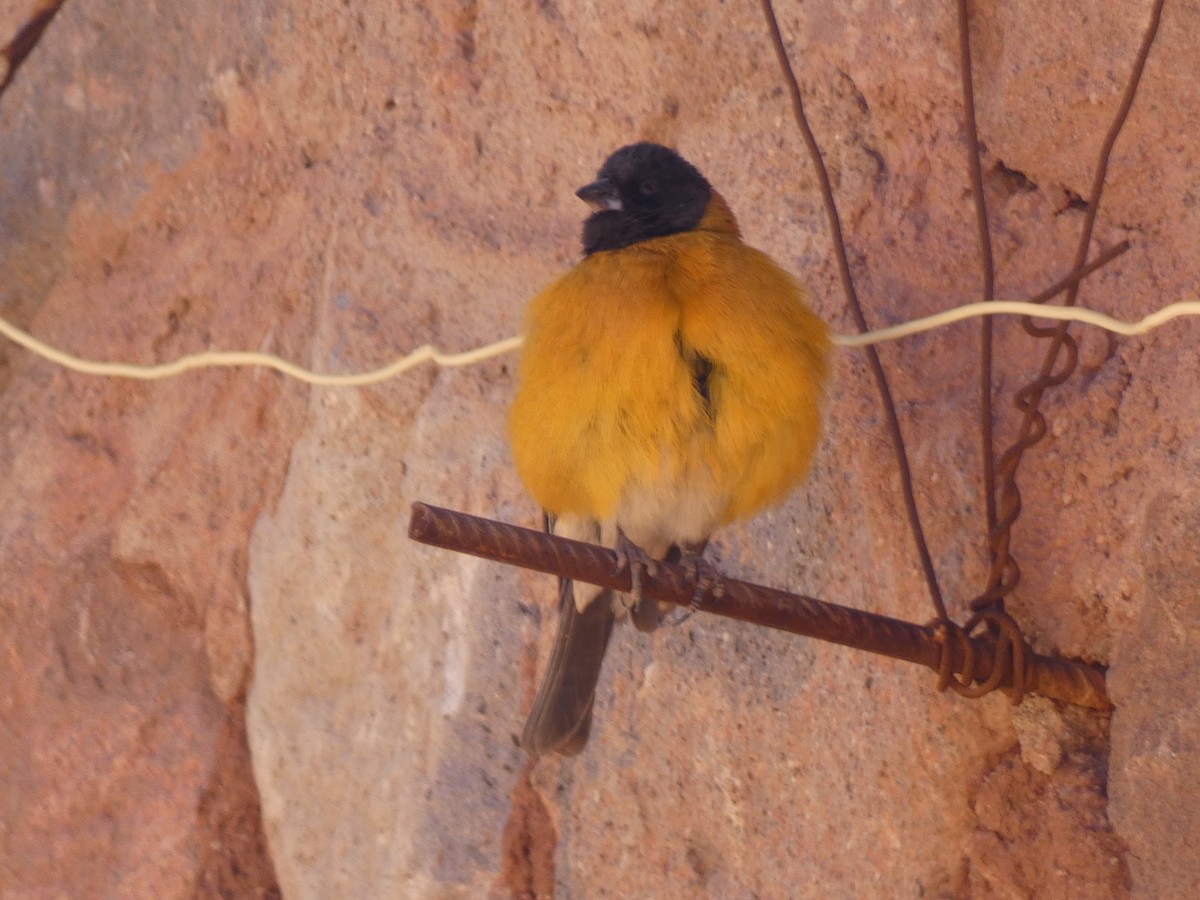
[1074, 682]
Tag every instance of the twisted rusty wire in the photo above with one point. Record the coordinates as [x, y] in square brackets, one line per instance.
[18, 49]
[860, 319]
[981, 662]
[1002, 505]
[1075, 277]
[1005, 572]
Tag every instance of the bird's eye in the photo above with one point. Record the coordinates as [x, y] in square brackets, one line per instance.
[648, 187]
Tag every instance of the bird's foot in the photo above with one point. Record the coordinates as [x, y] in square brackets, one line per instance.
[635, 560]
[710, 586]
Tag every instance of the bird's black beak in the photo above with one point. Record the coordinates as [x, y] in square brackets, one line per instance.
[600, 195]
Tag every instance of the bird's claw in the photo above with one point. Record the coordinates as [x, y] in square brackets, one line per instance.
[635, 560]
[710, 586]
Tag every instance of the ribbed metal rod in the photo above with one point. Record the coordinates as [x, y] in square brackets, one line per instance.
[1062, 679]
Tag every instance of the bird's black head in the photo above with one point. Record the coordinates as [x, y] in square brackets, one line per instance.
[642, 191]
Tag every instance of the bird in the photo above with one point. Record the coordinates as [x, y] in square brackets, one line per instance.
[670, 383]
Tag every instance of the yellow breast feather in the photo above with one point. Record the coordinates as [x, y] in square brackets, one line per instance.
[769, 354]
[603, 387]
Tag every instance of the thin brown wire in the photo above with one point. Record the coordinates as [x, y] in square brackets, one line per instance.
[843, 262]
[18, 49]
[986, 263]
[1011, 645]
[1005, 573]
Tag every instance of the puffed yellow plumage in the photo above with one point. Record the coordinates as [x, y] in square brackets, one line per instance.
[608, 405]
[669, 383]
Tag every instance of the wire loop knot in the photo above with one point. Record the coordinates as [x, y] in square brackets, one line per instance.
[1009, 661]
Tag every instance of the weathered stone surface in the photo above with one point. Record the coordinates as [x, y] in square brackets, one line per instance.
[1045, 837]
[1155, 798]
[126, 508]
[339, 184]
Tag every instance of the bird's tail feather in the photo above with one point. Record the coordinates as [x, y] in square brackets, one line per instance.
[562, 712]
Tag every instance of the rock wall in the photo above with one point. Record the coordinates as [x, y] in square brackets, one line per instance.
[228, 672]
